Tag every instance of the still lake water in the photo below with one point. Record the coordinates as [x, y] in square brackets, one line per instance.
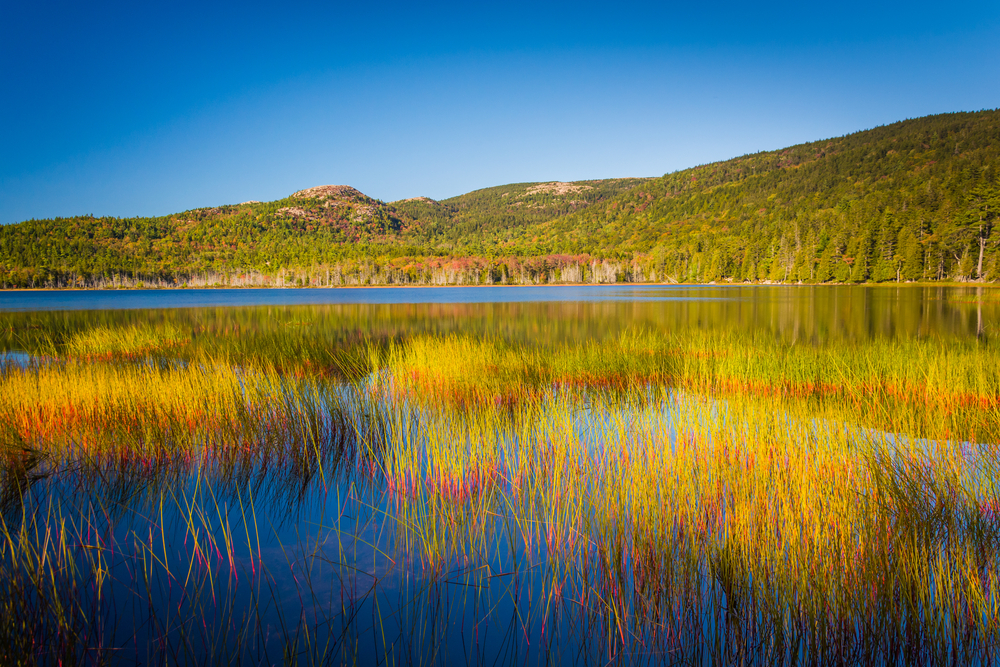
[808, 313]
[323, 572]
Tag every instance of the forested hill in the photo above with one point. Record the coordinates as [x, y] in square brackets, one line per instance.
[915, 200]
[495, 220]
[322, 235]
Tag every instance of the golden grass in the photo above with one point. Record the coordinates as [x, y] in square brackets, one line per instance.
[830, 503]
[132, 341]
[923, 388]
[819, 529]
[838, 495]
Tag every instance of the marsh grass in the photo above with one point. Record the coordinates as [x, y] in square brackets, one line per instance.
[682, 498]
[654, 538]
[94, 448]
[819, 496]
[128, 342]
[923, 388]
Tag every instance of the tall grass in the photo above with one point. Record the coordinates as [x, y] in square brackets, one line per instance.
[925, 388]
[128, 341]
[681, 498]
[826, 541]
[839, 503]
[126, 480]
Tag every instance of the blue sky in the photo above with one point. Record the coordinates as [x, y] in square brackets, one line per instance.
[152, 108]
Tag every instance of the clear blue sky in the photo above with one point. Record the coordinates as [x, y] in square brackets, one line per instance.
[148, 108]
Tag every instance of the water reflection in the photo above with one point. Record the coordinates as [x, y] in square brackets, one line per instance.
[808, 314]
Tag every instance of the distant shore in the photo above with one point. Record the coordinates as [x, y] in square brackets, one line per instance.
[554, 284]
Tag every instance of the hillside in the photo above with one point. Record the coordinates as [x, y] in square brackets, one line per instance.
[319, 225]
[322, 235]
[915, 200]
[490, 221]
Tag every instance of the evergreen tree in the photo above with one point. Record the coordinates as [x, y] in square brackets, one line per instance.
[983, 205]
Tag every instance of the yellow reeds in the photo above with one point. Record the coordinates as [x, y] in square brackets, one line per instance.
[130, 341]
[795, 508]
[824, 503]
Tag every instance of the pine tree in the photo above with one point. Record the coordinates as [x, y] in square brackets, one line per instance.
[911, 255]
[983, 205]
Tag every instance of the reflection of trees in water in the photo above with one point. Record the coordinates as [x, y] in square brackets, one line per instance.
[796, 313]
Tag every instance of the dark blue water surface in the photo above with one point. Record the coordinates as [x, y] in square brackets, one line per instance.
[201, 298]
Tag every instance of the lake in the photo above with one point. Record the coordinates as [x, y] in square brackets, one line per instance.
[818, 312]
[493, 475]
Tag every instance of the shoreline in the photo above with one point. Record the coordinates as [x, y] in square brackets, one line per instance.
[623, 284]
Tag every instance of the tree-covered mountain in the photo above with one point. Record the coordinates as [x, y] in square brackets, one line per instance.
[915, 200]
[311, 227]
[322, 235]
[494, 221]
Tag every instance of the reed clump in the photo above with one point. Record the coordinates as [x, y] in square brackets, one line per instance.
[925, 388]
[106, 342]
